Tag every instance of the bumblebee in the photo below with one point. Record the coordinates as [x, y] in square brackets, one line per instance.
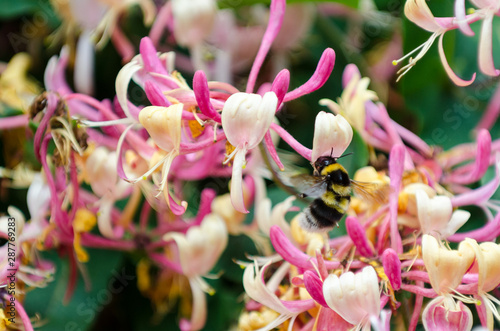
[331, 186]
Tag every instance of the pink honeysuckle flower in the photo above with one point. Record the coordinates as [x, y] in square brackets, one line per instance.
[436, 215]
[419, 13]
[444, 313]
[488, 271]
[332, 135]
[199, 249]
[258, 290]
[245, 119]
[100, 170]
[355, 297]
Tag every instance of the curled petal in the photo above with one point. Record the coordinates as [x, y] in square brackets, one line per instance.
[462, 23]
[121, 85]
[419, 13]
[199, 309]
[481, 164]
[486, 64]
[457, 80]
[318, 79]
[236, 181]
[292, 254]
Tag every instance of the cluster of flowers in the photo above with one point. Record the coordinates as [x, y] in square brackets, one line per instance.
[94, 153]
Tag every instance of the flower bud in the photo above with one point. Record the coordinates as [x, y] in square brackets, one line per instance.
[332, 135]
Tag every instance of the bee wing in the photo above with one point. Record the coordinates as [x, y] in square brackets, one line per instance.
[373, 192]
[309, 186]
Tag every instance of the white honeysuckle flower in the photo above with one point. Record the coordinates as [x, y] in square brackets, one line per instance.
[332, 135]
[38, 197]
[193, 20]
[201, 246]
[436, 215]
[355, 297]
[267, 216]
[246, 117]
[100, 169]
[445, 267]
[164, 125]
[199, 250]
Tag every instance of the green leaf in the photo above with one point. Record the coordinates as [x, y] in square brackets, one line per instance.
[106, 277]
[7, 111]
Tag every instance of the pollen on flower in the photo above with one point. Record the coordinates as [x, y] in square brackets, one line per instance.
[196, 128]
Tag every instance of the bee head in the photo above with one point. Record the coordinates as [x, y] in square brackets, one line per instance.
[322, 162]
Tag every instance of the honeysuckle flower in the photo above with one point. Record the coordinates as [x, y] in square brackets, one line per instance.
[83, 222]
[268, 216]
[100, 16]
[193, 20]
[17, 89]
[258, 290]
[351, 102]
[199, 249]
[487, 10]
[101, 173]
[355, 297]
[443, 313]
[245, 119]
[446, 267]
[332, 135]
[436, 215]
[419, 13]
[488, 271]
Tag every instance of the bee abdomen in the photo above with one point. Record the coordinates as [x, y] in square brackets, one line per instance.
[320, 216]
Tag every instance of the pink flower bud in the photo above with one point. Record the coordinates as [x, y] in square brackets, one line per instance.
[392, 267]
[358, 236]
